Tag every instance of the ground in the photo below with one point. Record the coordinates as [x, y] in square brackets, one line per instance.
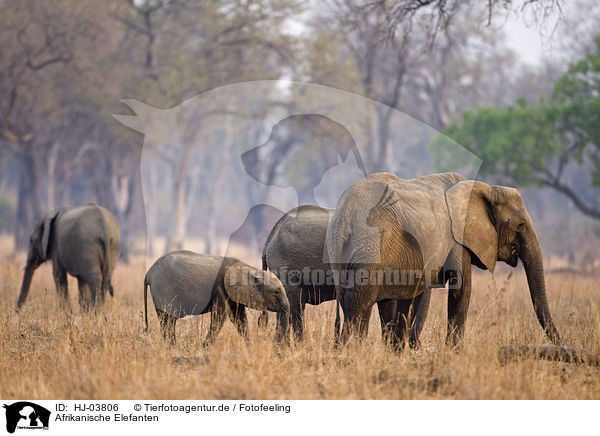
[49, 354]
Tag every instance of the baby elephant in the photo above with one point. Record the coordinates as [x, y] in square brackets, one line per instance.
[82, 241]
[184, 283]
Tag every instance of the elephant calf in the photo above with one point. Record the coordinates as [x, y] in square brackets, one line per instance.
[82, 241]
[184, 283]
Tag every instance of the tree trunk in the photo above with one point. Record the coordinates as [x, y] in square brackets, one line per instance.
[28, 200]
[51, 176]
[383, 120]
[179, 189]
[213, 205]
[122, 192]
[150, 210]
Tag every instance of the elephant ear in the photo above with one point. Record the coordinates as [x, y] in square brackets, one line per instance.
[469, 204]
[46, 228]
[243, 284]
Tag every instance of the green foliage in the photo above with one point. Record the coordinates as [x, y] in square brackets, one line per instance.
[577, 94]
[514, 143]
[532, 144]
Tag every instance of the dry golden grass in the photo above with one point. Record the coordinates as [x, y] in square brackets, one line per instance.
[47, 354]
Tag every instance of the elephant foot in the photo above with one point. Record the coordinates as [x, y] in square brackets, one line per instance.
[454, 343]
[299, 336]
[414, 344]
[396, 346]
[283, 340]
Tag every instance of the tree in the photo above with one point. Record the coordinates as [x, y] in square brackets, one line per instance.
[536, 145]
[36, 41]
[186, 47]
[440, 12]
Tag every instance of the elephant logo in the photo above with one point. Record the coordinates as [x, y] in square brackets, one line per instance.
[312, 142]
[26, 415]
[274, 149]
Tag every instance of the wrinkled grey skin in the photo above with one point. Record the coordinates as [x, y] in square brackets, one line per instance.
[440, 225]
[185, 283]
[294, 251]
[82, 241]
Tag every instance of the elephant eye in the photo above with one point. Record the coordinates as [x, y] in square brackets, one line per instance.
[521, 226]
[255, 280]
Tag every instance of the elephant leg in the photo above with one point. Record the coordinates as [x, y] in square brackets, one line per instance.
[238, 312]
[167, 325]
[351, 327]
[94, 281]
[387, 318]
[263, 319]
[459, 296]
[353, 315]
[217, 319]
[401, 324]
[60, 280]
[297, 305]
[84, 294]
[365, 318]
[297, 321]
[100, 293]
[421, 303]
[281, 335]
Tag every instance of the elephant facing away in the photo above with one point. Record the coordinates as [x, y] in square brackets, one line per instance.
[82, 241]
[295, 252]
[185, 283]
[429, 231]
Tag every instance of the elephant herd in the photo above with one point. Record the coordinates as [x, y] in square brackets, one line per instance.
[388, 242]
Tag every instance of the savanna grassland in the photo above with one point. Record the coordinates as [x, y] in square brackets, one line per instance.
[47, 354]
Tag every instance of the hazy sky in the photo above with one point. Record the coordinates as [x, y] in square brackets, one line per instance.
[533, 40]
[526, 41]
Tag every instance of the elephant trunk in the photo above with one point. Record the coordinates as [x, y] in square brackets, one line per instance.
[531, 255]
[28, 274]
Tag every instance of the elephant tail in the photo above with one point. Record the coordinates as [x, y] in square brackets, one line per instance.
[106, 268]
[263, 319]
[338, 320]
[335, 257]
[146, 283]
[264, 258]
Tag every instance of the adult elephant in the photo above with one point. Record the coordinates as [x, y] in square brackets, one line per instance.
[295, 252]
[82, 241]
[426, 232]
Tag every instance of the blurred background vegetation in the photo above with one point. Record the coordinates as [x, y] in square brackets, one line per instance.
[65, 65]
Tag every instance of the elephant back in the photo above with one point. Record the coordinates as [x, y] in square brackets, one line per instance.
[183, 283]
[80, 234]
[298, 239]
